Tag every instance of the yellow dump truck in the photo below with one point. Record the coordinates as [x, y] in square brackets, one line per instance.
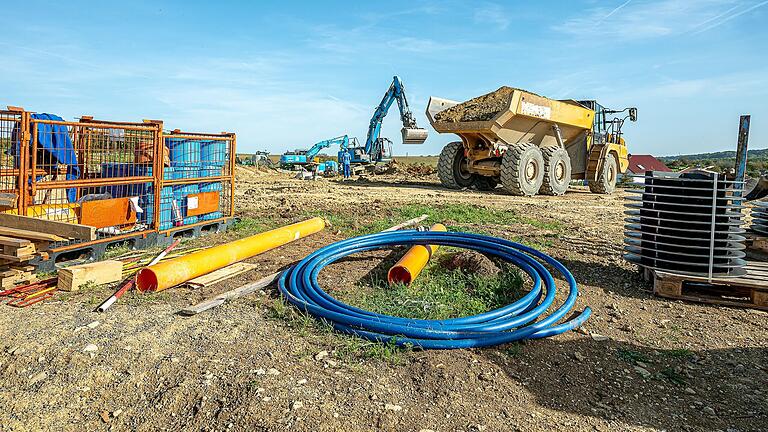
[528, 143]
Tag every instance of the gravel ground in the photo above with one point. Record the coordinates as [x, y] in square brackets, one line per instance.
[640, 363]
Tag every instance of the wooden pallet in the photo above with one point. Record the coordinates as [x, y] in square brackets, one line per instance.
[750, 290]
[16, 274]
[757, 243]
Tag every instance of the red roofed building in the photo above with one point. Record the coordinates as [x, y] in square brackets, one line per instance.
[639, 164]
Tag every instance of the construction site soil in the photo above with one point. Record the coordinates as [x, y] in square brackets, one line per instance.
[640, 363]
[481, 108]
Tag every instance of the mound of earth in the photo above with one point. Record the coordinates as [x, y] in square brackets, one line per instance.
[470, 262]
[481, 108]
[412, 169]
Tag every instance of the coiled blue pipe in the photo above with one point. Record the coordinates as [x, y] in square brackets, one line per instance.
[527, 318]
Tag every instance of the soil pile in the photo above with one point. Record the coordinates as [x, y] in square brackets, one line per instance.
[470, 262]
[481, 108]
[411, 169]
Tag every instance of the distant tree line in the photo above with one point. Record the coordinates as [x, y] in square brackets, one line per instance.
[755, 165]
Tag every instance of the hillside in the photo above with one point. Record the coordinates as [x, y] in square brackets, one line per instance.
[729, 154]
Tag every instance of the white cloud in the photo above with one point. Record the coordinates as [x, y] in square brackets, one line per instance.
[653, 19]
[494, 15]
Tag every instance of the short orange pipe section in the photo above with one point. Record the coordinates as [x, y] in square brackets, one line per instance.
[413, 262]
[173, 272]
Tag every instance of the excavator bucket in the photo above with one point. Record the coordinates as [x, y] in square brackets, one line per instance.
[414, 135]
[757, 189]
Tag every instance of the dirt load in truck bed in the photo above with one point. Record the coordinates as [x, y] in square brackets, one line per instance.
[481, 108]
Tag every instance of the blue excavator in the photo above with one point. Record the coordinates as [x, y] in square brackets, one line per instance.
[378, 149]
[291, 159]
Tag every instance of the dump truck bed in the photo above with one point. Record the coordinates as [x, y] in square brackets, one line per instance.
[521, 117]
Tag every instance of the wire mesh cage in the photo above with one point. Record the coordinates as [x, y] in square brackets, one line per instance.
[13, 128]
[198, 178]
[124, 179]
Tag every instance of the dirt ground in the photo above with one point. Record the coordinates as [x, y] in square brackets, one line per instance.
[639, 364]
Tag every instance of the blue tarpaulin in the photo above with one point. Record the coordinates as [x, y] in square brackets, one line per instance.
[54, 147]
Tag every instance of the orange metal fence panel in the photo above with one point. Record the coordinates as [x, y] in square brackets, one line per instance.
[197, 164]
[145, 180]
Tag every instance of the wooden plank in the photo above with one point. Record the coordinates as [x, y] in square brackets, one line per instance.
[222, 274]
[98, 273]
[31, 235]
[19, 251]
[230, 295]
[15, 259]
[758, 283]
[61, 229]
[735, 292]
[107, 213]
[12, 241]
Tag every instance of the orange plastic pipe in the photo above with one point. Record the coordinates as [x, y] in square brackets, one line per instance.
[413, 262]
[176, 271]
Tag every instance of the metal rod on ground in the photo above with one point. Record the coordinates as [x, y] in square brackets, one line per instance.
[263, 282]
[407, 223]
[128, 284]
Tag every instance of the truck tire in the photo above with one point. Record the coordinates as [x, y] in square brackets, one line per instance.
[452, 167]
[483, 183]
[522, 169]
[557, 171]
[606, 178]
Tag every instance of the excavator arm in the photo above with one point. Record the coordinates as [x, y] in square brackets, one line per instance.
[315, 149]
[412, 134]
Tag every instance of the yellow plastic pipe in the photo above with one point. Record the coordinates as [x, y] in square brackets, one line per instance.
[176, 271]
[413, 262]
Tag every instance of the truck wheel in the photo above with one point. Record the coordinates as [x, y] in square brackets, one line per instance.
[606, 179]
[453, 167]
[557, 171]
[522, 169]
[483, 183]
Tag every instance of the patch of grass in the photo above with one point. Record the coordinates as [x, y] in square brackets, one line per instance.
[439, 293]
[631, 356]
[117, 250]
[249, 225]
[336, 220]
[346, 347]
[450, 214]
[514, 349]
[539, 245]
[350, 347]
[679, 353]
[672, 376]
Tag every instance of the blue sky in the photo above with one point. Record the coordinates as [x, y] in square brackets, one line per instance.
[284, 75]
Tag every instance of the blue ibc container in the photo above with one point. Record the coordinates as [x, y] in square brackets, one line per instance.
[211, 187]
[183, 152]
[180, 194]
[211, 171]
[213, 152]
[185, 172]
[166, 214]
